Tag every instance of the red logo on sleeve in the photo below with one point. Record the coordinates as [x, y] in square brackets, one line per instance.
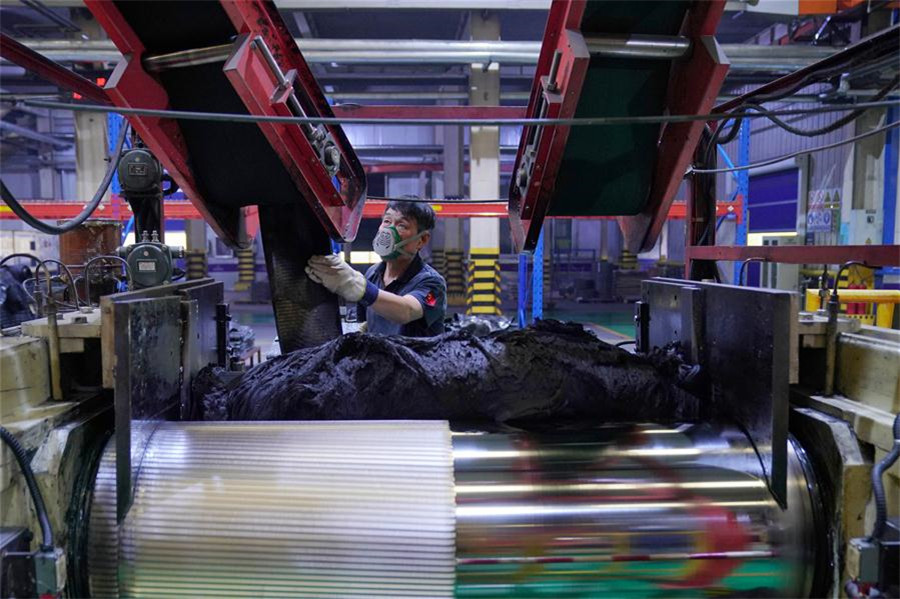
[430, 299]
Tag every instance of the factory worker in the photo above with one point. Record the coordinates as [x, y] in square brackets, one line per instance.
[401, 295]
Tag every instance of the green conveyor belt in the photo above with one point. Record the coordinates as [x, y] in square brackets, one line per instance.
[608, 170]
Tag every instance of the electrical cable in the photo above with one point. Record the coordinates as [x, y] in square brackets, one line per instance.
[844, 120]
[878, 483]
[60, 267]
[577, 121]
[628, 342]
[19, 255]
[19, 453]
[88, 210]
[849, 140]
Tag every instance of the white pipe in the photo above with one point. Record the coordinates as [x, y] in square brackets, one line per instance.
[434, 52]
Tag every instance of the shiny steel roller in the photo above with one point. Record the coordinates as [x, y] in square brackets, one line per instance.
[629, 511]
[314, 509]
[407, 508]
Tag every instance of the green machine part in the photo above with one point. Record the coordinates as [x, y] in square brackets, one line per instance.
[608, 170]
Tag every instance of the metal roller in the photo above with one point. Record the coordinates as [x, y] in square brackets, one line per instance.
[315, 509]
[407, 508]
[627, 512]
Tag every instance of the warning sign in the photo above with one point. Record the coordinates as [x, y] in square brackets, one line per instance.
[822, 211]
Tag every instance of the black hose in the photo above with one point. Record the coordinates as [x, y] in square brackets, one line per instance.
[841, 270]
[85, 214]
[32, 257]
[878, 484]
[740, 281]
[845, 120]
[19, 452]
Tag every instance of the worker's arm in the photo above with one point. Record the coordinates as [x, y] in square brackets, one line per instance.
[427, 300]
[399, 309]
[340, 278]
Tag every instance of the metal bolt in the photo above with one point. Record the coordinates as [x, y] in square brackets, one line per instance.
[522, 177]
[332, 156]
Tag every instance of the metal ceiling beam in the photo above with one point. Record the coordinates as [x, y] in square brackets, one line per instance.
[417, 52]
[35, 61]
[34, 135]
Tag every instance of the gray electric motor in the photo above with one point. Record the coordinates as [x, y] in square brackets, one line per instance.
[150, 262]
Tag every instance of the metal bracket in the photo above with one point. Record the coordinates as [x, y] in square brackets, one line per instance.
[740, 337]
[159, 337]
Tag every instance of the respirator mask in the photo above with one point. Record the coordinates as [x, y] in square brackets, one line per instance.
[389, 245]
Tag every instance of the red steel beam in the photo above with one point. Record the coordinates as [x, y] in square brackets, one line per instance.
[529, 207]
[428, 112]
[415, 167]
[402, 167]
[872, 255]
[693, 87]
[117, 209]
[53, 72]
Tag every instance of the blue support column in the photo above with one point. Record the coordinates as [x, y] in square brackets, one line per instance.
[889, 203]
[114, 124]
[743, 180]
[891, 142]
[728, 162]
[537, 280]
[523, 288]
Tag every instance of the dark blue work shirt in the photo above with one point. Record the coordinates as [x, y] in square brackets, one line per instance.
[420, 281]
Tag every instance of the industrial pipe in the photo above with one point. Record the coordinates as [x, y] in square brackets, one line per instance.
[407, 508]
[661, 47]
[351, 51]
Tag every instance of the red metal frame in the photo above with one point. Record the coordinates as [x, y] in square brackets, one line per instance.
[118, 209]
[527, 213]
[693, 86]
[873, 255]
[53, 72]
[130, 86]
[338, 209]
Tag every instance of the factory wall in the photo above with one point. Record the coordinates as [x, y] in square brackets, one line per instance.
[848, 179]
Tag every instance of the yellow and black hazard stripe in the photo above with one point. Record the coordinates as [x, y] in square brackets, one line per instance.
[455, 277]
[439, 262]
[483, 281]
[195, 264]
[246, 269]
[628, 261]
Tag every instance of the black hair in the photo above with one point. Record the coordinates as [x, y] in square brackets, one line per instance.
[420, 212]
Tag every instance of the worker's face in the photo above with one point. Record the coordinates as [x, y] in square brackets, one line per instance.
[406, 228]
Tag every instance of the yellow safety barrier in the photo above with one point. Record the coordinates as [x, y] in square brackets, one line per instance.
[884, 300]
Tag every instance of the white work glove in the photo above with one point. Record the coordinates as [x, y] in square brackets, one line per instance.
[337, 276]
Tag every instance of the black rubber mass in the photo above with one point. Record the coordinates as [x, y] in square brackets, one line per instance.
[550, 370]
